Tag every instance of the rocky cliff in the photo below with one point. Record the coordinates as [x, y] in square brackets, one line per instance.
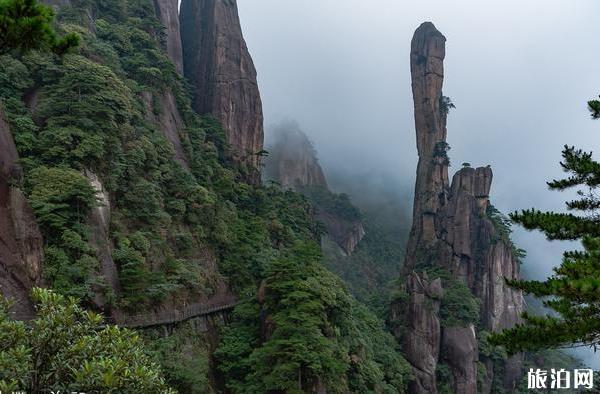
[222, 75]
[292, 160]
[293, 163]
[168, 13]
[21, 248]
[452, 233]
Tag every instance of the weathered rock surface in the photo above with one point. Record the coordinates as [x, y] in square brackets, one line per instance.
[161, 110]
[99, 222]
[427, 71]
[421, 343]
[168, 13]
[451, 230]
[293, 163]
[459, 351]
[222, 75]
[345, 233]
[21, 246]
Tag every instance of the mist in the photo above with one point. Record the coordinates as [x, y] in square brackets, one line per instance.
[519, 73]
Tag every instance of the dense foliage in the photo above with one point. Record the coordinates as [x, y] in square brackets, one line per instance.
[335, 204]
[26, 25]
[93, 118]
[184, 356]
[69, 349]
[306, 332]
[94, 115]
[503, 227]
[574, 288]
[376, 261]
[459, 306]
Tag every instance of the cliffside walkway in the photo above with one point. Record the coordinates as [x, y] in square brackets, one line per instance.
[174, 316]
[151, 319]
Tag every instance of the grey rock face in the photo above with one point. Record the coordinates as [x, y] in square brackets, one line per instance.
[168, 14]
[459, 351]
[345, 233]
[221, 71]
[21, 245]
[421, 343]
[99, 223]
[427, 71]
[293, 160]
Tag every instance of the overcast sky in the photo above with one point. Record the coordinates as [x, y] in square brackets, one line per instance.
[519, 72]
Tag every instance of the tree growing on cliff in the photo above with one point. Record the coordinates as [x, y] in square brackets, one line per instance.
[67, 348]
[573, 291]
[26, 25]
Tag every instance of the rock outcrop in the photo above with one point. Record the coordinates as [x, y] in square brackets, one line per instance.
[451, 230]
[222, 75]
[293, 163]
[459, 352]
[99, 223]
[346, 233]
[21, 246]
[292, 160]
[168, 13]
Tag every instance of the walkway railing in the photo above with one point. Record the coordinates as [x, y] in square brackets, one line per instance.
[160, 318]
[150, 319]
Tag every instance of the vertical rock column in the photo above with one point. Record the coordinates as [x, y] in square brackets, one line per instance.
[427, 71]
[221, 71]
[422, 340]
[451, 232]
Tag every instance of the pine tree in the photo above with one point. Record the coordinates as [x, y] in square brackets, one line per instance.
[573, 291]
[26, 25]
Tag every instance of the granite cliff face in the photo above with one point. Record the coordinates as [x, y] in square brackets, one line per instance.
[292, 160]
[421, 342]
[168, 13]
[451, 230]
[293, 163]
[222, 75]
[427, 71]
[21, 247]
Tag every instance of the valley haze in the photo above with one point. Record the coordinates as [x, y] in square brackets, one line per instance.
[519, 72]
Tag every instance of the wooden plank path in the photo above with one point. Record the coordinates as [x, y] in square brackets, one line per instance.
[175, 316]
[151, 319]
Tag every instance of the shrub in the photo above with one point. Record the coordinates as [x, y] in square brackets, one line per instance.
[69, 349]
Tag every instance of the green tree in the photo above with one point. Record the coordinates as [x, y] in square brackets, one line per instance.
[316, 336]
[26, 25]
[573, 291]
[69, 349]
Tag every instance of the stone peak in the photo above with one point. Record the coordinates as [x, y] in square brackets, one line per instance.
[475, 181]
[428, 28]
